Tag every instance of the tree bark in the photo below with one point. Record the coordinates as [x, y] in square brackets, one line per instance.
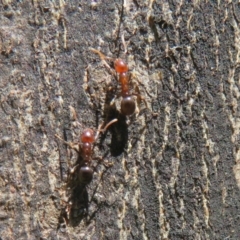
[176, 164]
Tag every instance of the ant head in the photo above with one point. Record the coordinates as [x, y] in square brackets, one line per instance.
[88, 136]
[120, 66]
[128, 105]
[85, 174]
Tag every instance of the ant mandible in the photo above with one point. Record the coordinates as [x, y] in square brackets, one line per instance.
[85, 150]
[128, 105]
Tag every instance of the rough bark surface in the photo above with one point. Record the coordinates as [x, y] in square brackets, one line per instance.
[176, 171]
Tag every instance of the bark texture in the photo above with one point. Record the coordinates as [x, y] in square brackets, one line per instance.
[176, 171]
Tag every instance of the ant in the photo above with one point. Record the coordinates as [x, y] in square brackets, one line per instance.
[85, 151]
[128, 104]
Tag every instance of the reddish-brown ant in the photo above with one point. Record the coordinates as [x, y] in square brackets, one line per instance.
[85, 150]
[128, 105]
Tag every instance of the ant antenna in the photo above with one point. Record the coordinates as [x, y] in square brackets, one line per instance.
[105, 128]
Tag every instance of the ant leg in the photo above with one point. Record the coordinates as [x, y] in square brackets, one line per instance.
[71, 145]
[137, 93]
[74, 117]
[140, 84]
[68, 210]
[140, 98]
[106, 164]
[72, 170]
[73, 113]
[103, 57]
[118, 95]
[100, 159]
[124, 43]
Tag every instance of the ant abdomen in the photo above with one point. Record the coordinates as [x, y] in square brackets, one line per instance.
[128, 105]
[85, 174]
